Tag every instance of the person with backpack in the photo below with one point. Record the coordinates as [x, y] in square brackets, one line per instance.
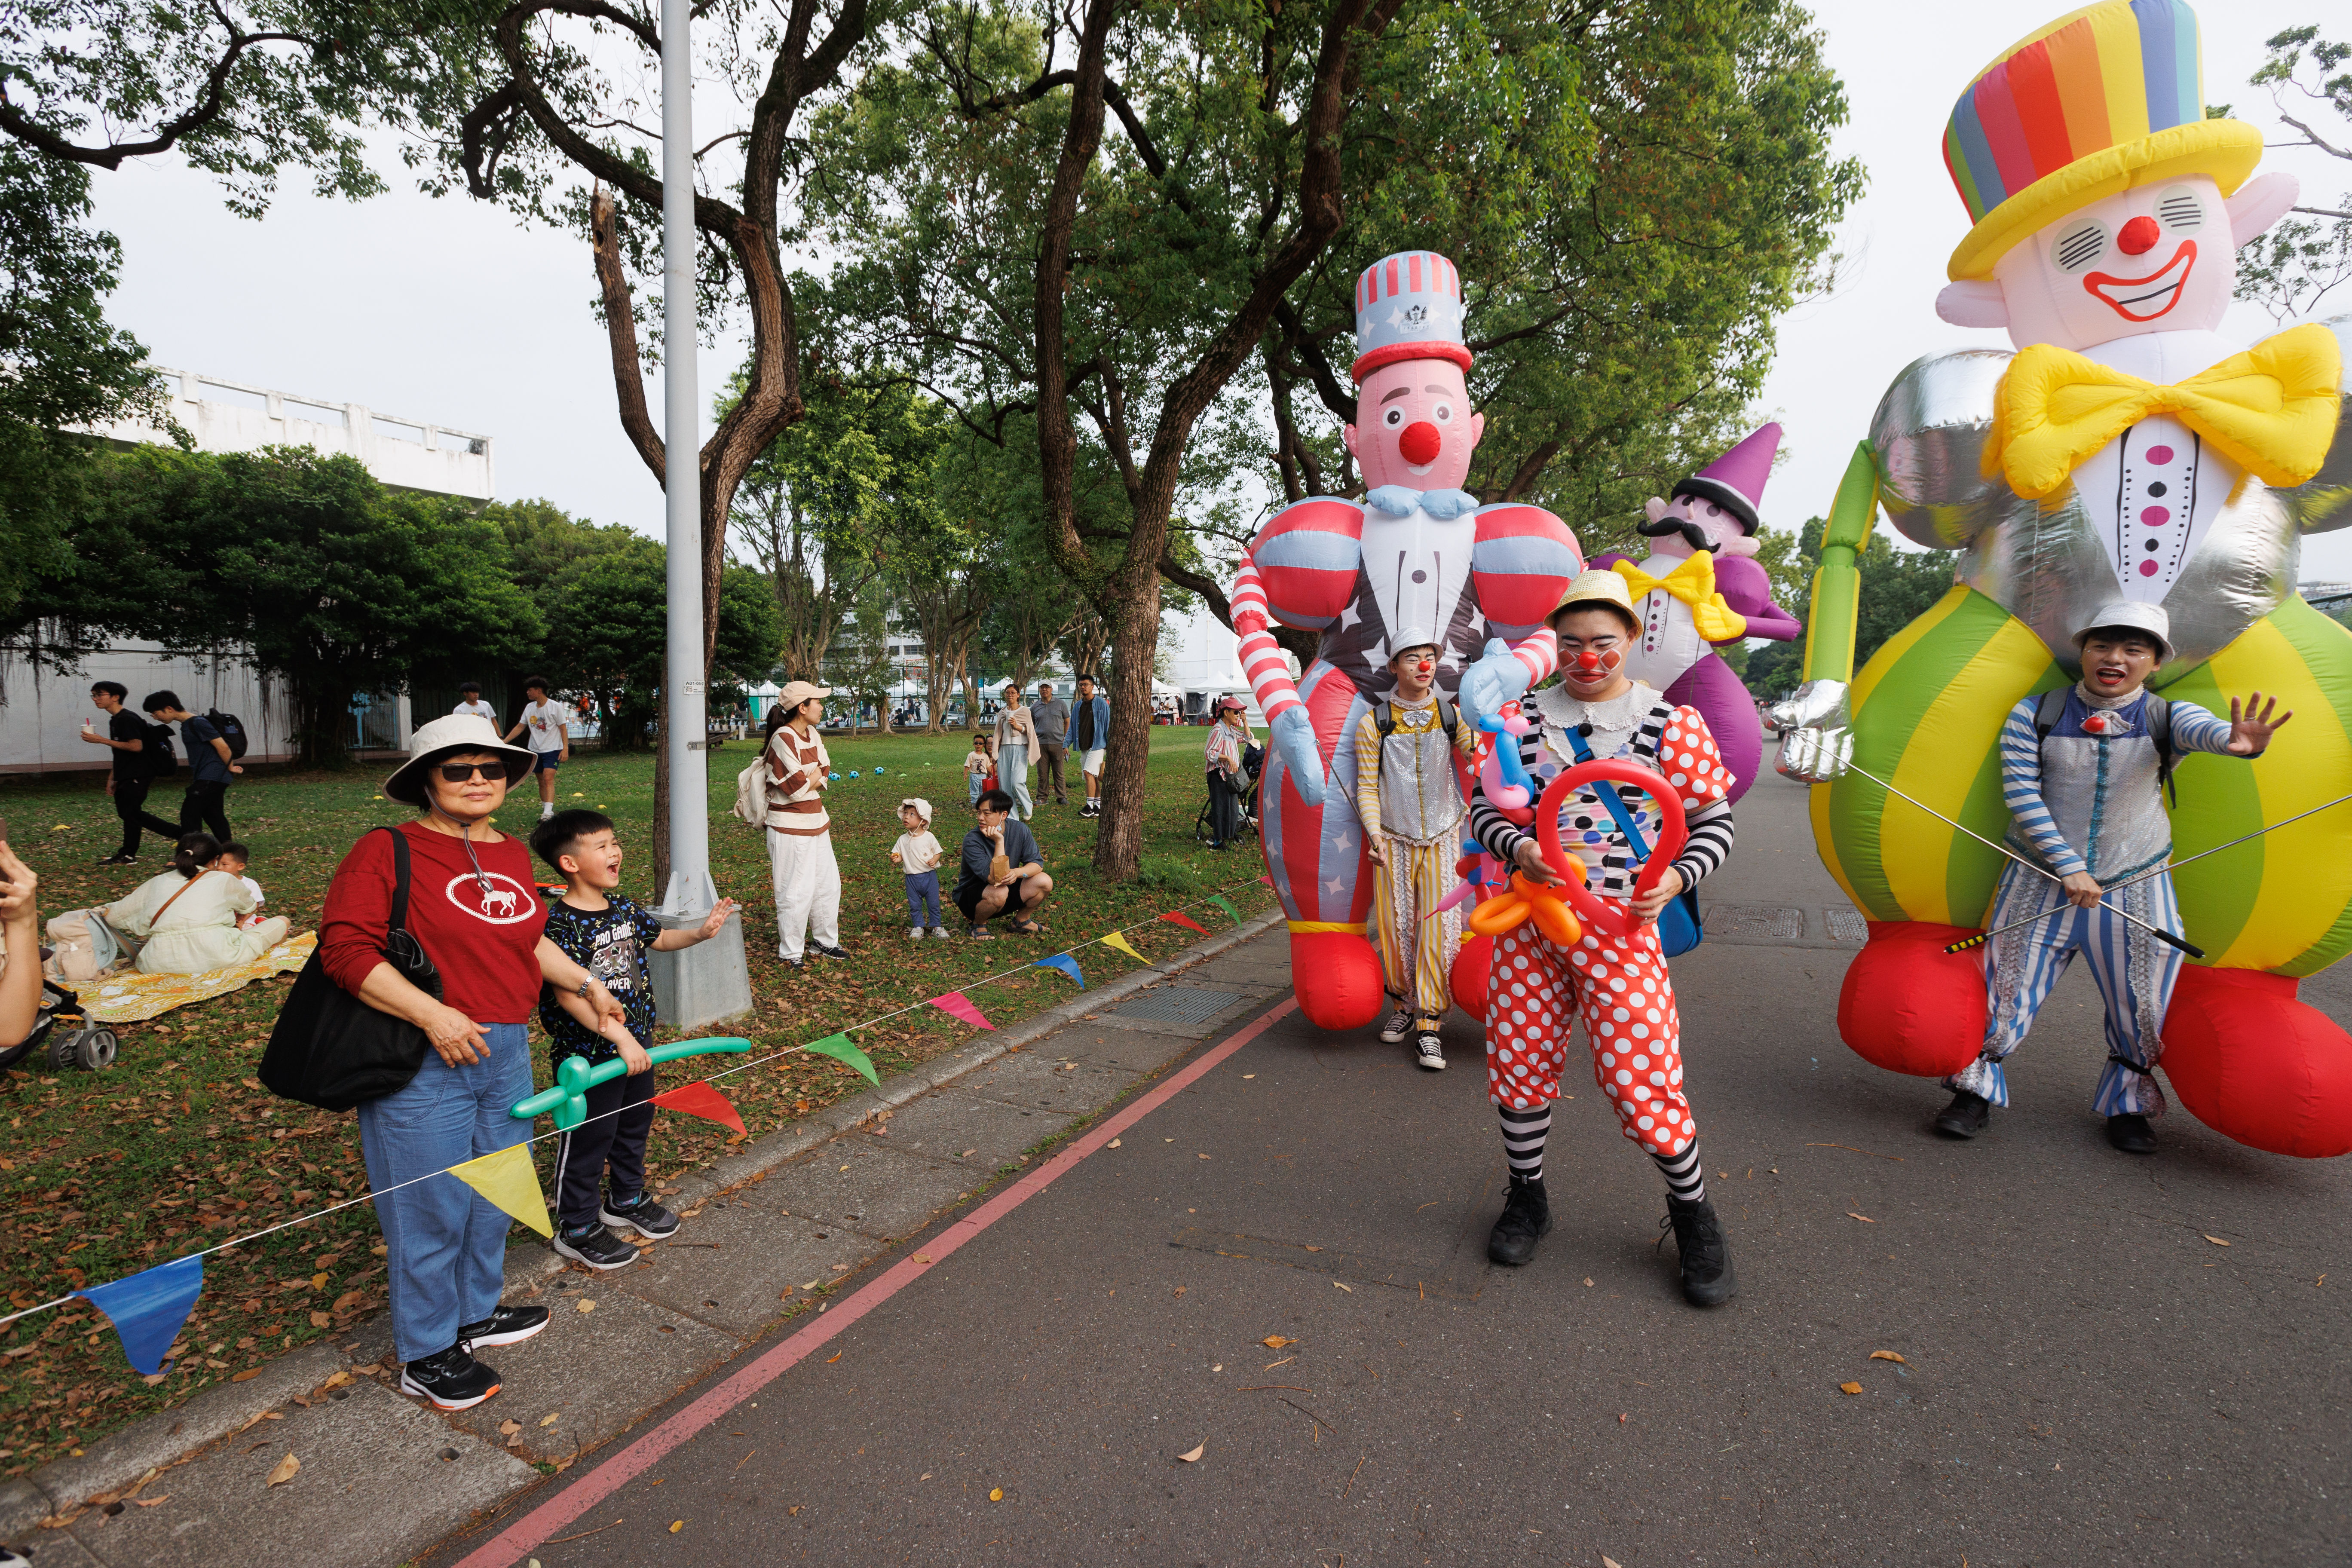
[142, 754]
[2083, 772]
[1408, 798]
[211, 763]
[1225, 760]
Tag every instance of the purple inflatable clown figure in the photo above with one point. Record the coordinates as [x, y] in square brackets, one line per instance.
[1700, 589]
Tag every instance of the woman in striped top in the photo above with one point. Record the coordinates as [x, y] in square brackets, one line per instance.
[1536, 990]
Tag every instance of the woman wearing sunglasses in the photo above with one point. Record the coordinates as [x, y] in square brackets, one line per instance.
[474, 907]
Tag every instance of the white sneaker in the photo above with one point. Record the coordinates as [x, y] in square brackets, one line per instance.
[939, 933]
[1399, 1025]
[915, 934]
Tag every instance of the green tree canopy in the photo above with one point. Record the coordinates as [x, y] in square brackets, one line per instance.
[1898, 587]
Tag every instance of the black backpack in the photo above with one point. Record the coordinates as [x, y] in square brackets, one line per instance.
[2051, 707]
[157, 758]
[232, 729]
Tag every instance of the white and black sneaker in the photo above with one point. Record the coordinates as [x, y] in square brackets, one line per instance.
[1399, 1025]
[453, 1380]
[645, 1216]
[598, 1248]
[1429, 1051]
[506, 1326]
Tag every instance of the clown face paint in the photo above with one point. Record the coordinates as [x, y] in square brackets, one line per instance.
[1414, 425]
[2157, 260]
[1593, 648]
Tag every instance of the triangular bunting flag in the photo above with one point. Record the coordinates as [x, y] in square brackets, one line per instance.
[1223, 903]
[1267, 881]
[1187, 921]
[960, 1006]
[843, 1049]
[1118, 940]
[508, 1180]
[148, 1309]
[1067, 964]
[699, 1099]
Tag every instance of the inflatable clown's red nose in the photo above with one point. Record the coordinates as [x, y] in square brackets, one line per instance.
[1419, 442]
[2138, 236]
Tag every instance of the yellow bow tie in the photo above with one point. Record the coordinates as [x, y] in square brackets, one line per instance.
[1693, 582]
[2271, 409]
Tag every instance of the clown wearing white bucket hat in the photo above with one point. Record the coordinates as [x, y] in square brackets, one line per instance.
[2127, 453]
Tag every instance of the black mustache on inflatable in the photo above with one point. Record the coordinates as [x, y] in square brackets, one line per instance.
[1665, 525]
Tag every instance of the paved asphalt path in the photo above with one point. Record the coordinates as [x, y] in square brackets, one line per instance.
[2088, 1375]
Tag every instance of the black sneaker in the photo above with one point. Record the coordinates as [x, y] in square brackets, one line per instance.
[453, 1380]
[2131, 1133]
[822, 951]
[506, 1326]
[120, 859]
[1525, 1220]
[1429, 1051]
[1399, 1025]
[598, 1249]
[645, 1216]
[1967, 1116]
[1707, 1280]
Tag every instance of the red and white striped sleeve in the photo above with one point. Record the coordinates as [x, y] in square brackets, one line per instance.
[1261, 657]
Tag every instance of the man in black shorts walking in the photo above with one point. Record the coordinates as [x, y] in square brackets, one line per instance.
[1004, 872]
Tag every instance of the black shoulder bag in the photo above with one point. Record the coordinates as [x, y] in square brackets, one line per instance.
[333, 1050]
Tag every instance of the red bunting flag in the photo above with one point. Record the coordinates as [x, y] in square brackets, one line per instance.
[1187, 921]
[1267, 881]
[699, 1099]
[958, 1005]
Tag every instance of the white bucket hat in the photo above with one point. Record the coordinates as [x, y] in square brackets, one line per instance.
[2134, 616]
[445, 737]
[922, 807]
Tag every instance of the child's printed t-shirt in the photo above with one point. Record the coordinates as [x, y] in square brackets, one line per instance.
[917, 853]
[973, 763]
[610, 943]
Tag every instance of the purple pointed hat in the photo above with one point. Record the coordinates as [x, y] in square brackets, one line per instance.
[1735, 481]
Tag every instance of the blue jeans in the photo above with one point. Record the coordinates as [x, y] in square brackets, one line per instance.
[445, 1245]
[971, 785]
[923, 894]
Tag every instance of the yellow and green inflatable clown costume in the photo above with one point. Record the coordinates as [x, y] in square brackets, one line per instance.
[2125, 450]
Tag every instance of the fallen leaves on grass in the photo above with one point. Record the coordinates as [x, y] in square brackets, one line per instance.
[286, 1470]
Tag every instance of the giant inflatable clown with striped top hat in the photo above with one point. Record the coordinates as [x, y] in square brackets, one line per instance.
[2127, 453]
[1417, 562]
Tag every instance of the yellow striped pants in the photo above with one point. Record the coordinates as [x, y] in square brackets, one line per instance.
[1416, 954]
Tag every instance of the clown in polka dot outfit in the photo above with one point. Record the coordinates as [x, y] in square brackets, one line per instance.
[1536, 990]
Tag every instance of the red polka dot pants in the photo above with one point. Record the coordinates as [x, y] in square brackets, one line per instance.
[1627, 999]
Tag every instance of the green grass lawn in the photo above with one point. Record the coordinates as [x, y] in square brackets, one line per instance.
[178, 1147]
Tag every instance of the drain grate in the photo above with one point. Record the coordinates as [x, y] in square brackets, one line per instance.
[1758, 923]
[1178, 1004]
[1847, 925]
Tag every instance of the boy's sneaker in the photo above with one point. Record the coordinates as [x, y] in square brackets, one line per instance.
[598, 1248]
[119, 860]
[1399, 1025]
[645, 1216]
[506, 1326]
[939, 933]
[914, 933]
[823, 951]
[1429, 1051]
[453, 1380]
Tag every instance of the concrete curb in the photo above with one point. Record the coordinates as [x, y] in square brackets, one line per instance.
[172, 1437]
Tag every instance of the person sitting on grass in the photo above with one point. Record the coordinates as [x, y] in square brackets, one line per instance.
[233, 858]
[188, 917]
[600, 1165]
[1004, 872]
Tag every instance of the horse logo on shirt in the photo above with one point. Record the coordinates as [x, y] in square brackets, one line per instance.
[503, 902]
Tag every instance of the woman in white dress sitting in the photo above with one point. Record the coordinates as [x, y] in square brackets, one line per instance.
[188, 916]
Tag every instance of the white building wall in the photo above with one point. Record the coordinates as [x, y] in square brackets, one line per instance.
[40, 727]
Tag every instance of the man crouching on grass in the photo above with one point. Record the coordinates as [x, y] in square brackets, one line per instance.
[1003, 871]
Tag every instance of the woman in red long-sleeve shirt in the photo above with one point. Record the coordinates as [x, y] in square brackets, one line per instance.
[474, 907]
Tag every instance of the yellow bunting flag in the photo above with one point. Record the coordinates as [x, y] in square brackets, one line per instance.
[508, 1180]
[1119, 941]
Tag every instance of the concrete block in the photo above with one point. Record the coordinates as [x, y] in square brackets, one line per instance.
[1036, 1080]
[374, 1488]
[54, 1548]
[953, 1121]
[861, 1183]
[23, 1506]
[731, 1267]
[595, 1371]
[1101, 1045]
[708, 984]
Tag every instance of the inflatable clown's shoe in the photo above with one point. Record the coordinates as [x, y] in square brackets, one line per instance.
[1909, 1006]
[2255, 1063]
[1467, 980]
[1336, 974]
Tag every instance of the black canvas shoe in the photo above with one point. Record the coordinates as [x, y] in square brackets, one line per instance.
[1400, 1025]
[1429, 1051]
[506, 1326]
[645, 1216]
[120, 859]
[599, 1248]
[453, 1380]
[1525, 1220]
[2131, 1133]
[1967, 1116]
[822, 951]
[1707, 1280]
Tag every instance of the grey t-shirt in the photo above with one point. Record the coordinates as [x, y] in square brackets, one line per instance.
[1020, 849]
[1052, 719]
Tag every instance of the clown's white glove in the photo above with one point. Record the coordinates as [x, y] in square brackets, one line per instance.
[1816, 737]
[1294, 738]
[1498, 677]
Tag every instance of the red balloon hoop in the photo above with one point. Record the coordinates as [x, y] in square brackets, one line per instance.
[1674, 831]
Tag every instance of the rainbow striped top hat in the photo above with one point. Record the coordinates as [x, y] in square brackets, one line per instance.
[1408, 306]
[2102, 100]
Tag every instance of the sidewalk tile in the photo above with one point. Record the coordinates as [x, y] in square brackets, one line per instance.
[1039, 1079]
[862, 1181]
[738, 1284]
[953, 1121]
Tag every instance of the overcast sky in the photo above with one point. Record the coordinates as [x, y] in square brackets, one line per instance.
[448, 311]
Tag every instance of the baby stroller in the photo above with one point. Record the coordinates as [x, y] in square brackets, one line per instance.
[1253, 760]
[62, 1036]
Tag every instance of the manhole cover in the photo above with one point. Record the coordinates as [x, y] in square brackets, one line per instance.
[1178, 1004]
[1763, 923]
[1847, 925]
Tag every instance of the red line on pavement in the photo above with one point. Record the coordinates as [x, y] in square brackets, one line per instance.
[533, 1530]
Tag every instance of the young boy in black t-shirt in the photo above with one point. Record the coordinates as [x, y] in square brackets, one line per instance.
[600, 1165]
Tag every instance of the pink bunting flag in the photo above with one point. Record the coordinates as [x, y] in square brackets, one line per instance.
[1187, 921]
[701, 1099]
[960, 1006]
[1267, 881]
